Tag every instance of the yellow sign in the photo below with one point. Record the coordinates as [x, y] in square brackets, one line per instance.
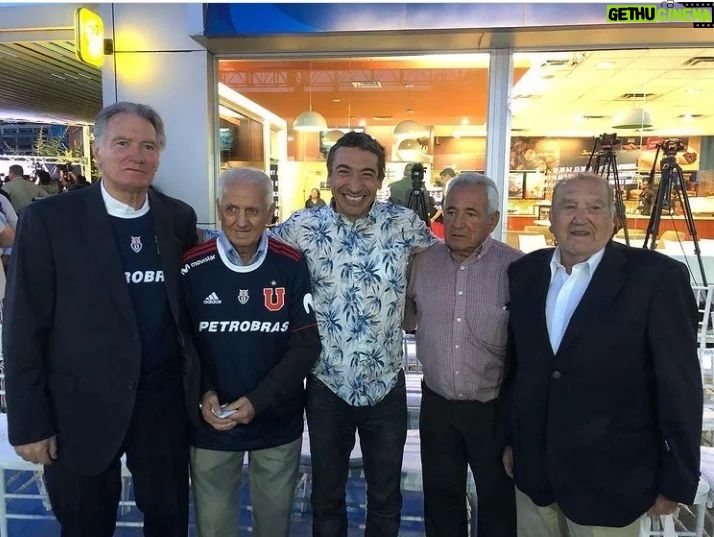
[89, 37]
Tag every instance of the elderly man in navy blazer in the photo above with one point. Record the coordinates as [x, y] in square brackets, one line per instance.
[92, 342]
[605, 385]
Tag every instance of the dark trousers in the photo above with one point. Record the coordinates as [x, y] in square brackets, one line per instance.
[382, 431]
[156, 447]
[454, 434]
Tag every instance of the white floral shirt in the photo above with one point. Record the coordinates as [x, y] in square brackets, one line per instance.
[359, 272]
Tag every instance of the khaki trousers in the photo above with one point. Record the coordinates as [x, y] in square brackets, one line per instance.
[549, 521]
[216, 478]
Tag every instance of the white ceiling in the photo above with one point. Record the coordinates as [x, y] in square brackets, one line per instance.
[592, 83]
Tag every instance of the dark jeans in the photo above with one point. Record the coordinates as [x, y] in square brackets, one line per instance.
[156, 447]
[382, 431]
[454, 434]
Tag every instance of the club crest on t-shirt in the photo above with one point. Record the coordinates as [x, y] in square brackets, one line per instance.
[274, 298]
[243, 296]
[136, 245]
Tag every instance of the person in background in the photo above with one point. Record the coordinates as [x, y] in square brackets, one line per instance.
[314, 200]
[437, 219]
[399, 190]
[455, 298]
[20, 190]
[81, 394]
[254, 371]
[46, 183]
[357, 250]
[646, 198]
[604, 383]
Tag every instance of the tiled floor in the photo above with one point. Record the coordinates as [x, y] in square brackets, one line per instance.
[412, 525]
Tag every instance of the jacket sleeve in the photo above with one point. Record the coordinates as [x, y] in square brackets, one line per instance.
[672, 327]
[27, 326]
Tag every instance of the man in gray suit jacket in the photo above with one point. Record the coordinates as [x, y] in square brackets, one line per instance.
[605, 388]
[92, 337]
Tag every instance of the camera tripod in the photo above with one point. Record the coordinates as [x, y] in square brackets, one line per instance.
[671, 181]
[416, 199]
[606, 164]
[416, 202]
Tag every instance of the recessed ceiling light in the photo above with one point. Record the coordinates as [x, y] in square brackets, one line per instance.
[465, 121]
[605, 65]
[362, 123]
[692, 91]
[336, 100]
[689, 117]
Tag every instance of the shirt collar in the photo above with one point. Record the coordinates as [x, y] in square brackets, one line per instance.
[233, 255]
[591, 262]
[477, 253]
[120, 209]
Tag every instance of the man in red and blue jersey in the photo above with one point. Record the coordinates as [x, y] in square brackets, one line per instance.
[249, 298]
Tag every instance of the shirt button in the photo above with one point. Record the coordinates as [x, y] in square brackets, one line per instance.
[462, 268]
[458, 319]
[456, 346]
[460, 293]
[556, 375]
[457, 372]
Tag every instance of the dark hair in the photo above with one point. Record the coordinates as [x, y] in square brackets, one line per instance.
[44, 177]
[122, 107]
[16, 169]
[360, 140]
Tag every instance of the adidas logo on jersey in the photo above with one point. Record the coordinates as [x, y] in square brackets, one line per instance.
[212, 299]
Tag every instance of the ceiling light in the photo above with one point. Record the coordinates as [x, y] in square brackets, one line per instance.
[409, 128]
[632, 118]
[310, 121]
[408, 144]
[465, 121]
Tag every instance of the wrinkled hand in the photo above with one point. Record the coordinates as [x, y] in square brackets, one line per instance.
[507, 459]
[662, 506]
[209, 406]
[245, 411]
[42, 452]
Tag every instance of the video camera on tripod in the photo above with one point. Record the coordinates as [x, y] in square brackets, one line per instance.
[417, 176]
[671, 146]
[608, 140]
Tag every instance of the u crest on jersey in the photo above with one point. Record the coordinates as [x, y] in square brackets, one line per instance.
[274, 298]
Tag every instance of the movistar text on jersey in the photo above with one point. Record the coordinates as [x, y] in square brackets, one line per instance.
[200, 261]
[651, 13]
[242, 326]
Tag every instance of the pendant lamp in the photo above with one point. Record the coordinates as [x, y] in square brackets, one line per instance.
[310, 121]
[409, 128]
[633, 118]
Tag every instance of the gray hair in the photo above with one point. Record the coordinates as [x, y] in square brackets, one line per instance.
[124, 107]
[251, 176]
[471, 178]
[589, 176]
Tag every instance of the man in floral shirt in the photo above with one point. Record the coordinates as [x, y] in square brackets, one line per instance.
[357, 251]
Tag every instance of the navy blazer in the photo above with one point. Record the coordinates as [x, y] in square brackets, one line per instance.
[70, 339]
[614, 418]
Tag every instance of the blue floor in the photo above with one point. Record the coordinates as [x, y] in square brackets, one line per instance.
[412, 525]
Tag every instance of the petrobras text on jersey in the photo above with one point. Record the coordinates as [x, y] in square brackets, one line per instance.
[145, 276]
[243, 326]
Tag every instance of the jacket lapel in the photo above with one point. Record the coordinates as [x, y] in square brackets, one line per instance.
[169, 250]
[603, 288]
[535, 294]
[102, 242]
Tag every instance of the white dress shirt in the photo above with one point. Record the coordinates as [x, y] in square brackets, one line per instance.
[565, 292]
